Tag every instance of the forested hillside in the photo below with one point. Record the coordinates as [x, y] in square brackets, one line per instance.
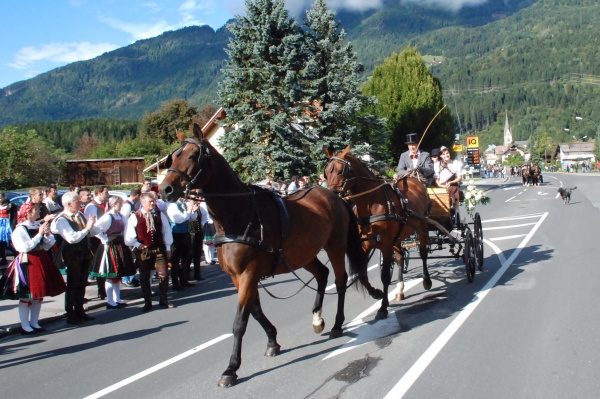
[124, 83]
[524, 56]
[532, 64]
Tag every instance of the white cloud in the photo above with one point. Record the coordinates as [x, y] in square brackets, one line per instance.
[59, 53]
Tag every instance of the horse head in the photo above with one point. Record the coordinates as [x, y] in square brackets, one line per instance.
[187, 166]
[338, 171]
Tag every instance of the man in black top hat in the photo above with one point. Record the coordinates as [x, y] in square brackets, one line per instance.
[414, 159]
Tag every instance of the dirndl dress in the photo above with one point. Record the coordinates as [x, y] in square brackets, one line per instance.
[113, 259]
[32, 275]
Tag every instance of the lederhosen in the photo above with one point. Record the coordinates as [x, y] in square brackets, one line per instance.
[154, 256]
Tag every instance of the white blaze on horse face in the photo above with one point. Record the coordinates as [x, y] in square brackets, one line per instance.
[317, 319]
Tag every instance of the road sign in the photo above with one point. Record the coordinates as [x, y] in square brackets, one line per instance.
[457, 148]
[472, 142]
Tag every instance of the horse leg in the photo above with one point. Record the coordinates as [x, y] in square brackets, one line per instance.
[321, 272]
[341, 279]
[386, 278]
[273, 348]
[423, 240]
[247, 294]
[373, 292]
[400, 262]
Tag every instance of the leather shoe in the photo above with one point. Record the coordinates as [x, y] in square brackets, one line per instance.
[38, 329]
[146, 308]
[73, 320]
[85, 317]
[25, 332]
[109, 306]
[166, 305]
[188, 284]
[122, 304]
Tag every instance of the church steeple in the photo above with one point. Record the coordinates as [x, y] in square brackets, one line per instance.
[508, 136]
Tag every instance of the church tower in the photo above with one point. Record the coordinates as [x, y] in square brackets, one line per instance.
[508, 136]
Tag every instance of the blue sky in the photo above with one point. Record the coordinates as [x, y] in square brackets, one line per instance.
[40, 35]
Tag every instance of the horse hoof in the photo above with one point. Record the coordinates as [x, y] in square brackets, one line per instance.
[227, 381]
[427, 285]
[319, 329]
[273, 351]
[377, 294]
[335, 334]
[381, 314]
[400, 297]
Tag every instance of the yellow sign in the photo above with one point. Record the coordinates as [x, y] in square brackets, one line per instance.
[457, 148]
[472, 142]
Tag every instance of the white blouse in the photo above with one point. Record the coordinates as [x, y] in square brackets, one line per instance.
[23, 243]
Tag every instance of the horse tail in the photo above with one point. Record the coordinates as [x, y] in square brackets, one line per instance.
[357, 257]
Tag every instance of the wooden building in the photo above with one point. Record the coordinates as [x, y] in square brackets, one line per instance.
[112, 171]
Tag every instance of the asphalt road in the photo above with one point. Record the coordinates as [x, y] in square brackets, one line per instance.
[526, 328]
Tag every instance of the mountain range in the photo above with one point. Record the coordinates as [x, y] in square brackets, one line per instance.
[531, 57]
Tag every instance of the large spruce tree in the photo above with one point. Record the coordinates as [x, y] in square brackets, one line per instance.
[262, 93]
[332, 78]
[410, 97]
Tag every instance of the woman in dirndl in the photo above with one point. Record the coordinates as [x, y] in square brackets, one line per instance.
[113, 258]
[32, 275]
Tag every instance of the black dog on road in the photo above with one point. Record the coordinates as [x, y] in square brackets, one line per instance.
[565, 194]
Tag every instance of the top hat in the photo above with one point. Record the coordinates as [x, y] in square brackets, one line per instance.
[412, 138]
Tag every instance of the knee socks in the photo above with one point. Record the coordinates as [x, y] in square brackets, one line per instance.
[36, 307]
[24, 315]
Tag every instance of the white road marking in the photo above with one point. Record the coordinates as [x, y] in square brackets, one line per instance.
[507, 227]
[371, 332]
[507, 237]
[404, 384]
[159, 366]
[332, 286]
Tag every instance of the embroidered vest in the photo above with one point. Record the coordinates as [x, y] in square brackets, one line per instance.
[81, 246]
[149, 239]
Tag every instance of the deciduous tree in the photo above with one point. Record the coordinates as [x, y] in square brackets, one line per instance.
[410, 97]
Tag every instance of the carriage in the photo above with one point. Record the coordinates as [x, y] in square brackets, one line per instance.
[402, 217]
[448, 231]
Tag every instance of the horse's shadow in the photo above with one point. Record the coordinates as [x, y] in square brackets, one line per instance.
[448, 298]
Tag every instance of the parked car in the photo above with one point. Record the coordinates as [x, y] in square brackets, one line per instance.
[20, 199]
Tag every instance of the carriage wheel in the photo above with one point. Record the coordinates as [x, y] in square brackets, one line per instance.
[478, 236]
[469, 255]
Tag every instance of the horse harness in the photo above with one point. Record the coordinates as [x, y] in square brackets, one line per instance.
[391, 213]
[245, 239]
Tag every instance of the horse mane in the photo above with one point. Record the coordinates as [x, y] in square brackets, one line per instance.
[358, 164]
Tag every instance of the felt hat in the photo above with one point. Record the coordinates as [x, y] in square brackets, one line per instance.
[435, 152]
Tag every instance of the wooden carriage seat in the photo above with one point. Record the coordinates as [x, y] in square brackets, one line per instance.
[440, 202]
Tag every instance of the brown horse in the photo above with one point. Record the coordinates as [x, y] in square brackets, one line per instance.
[260, 234]
[384, 221]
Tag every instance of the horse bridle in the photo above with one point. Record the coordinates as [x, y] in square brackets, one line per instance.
[347, 168]
[202, 158]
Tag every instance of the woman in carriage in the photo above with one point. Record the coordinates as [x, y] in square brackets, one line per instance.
[450, 176]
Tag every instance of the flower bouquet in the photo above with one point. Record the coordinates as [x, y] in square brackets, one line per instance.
[474, 196]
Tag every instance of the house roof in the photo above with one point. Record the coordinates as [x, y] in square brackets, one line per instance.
[577, 147]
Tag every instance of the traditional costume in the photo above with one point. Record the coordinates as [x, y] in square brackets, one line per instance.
[32, 275]
[112, 259]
